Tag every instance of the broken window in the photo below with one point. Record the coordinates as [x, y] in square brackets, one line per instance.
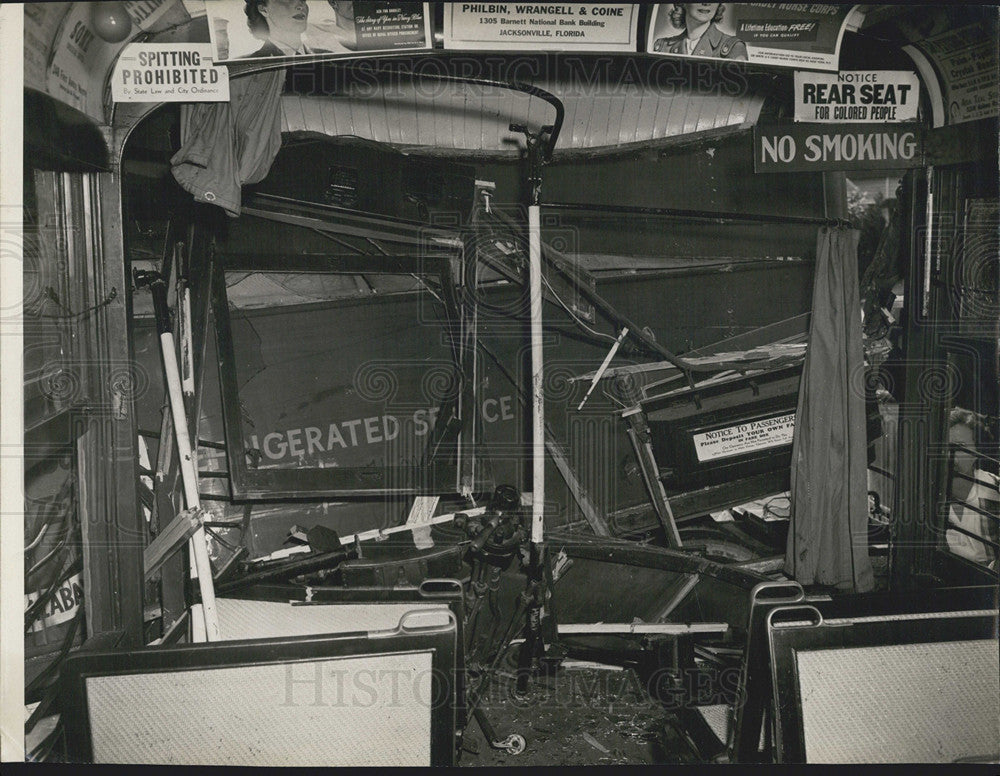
[339, 373]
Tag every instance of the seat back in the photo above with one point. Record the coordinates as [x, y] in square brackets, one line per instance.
[750, 727]
[309, 696]
[910, 687]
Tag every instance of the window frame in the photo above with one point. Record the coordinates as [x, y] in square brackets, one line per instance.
[250, 484]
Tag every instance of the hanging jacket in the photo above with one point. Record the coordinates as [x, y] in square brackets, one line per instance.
[225, 145]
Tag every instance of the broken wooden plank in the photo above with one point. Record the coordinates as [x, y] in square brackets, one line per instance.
[651, 628]
[171, 538]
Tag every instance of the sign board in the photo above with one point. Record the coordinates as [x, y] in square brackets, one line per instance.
[317, 27]
[859, 96]
[541, 26]
[807, 147]
[745, 438]
[805, 35]
[65, 57]
[169, 72]
[62, 607]
[966, 60]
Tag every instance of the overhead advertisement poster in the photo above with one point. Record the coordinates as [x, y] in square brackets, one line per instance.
[966, 60]
[804, 35]
[875, 96]
[541, 26]
[65, 56]
[315, 27]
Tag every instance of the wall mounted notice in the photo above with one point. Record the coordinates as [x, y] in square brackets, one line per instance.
[745, 438]
[541, 26]
[966, 58]
[803, 147]
[169, 72]
[65, 57]
[805, 35]
[876, 96]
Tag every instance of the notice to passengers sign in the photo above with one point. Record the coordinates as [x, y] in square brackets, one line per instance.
[748, 437]
[541, 26]
[859, 96]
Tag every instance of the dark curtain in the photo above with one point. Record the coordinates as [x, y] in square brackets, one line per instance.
[828, 535]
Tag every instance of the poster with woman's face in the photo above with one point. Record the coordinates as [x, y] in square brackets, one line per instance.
[775, 34]
[695, 30]
[258, 29]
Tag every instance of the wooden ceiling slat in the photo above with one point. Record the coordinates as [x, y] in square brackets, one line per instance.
[661, 116]
[487, 114]
[724, 112]
[706, 115]
[439, 116]
[692, 114]
[469, 99]
[569, 119]
[291, 110]
[616, 111]
[328, 115]
[629, 126]
[674, 123]
[362, 107]
[505, 109]
[586, 125]
[312, 116]
[741, 106]
[600, 111]
[408, 115]
[451, 123]
[646, 119]
[378, 117]
[424, 108]
[578, 129]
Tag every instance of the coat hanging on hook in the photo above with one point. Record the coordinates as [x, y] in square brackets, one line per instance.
[225, 145]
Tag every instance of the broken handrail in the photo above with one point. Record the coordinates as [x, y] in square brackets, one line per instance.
[517, 86]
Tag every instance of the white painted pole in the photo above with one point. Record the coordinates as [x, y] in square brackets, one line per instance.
[199, 550]
[537, 377]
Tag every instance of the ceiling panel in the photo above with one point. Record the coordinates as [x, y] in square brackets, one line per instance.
[476, 119]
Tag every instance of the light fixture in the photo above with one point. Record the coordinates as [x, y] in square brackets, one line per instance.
[110, 21]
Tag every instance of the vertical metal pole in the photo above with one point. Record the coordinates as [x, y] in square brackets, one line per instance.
[925, 297]
[537, 376]
[202, 564]
[199, 551]
[533, 649]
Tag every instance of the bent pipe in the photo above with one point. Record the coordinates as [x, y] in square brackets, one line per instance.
[518, 86]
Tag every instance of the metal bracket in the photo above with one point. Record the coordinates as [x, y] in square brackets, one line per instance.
[639, 435]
